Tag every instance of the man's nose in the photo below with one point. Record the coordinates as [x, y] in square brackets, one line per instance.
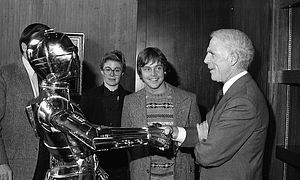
[153, 71]
[206, 59]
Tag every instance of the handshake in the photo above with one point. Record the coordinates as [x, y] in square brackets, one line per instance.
[157, 136]
[162, 136]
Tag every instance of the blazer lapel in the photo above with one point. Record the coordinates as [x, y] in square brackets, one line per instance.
[181, 105]
[140, 109]
[236, 86]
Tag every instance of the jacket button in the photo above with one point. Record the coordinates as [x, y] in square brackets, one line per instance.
[148, 171]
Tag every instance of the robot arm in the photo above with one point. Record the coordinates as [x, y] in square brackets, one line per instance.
[69, 120]
[76, 126]
[114, 138]
[103, 139]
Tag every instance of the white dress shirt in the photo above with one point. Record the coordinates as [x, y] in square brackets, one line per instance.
[32, 76]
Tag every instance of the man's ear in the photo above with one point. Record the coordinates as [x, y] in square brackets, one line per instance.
[24, 47]
[234, 58]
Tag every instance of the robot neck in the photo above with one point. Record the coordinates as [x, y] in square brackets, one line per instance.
[58, 88]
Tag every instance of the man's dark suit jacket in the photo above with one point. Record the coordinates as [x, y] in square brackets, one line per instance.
[93, 108]
[237, 132]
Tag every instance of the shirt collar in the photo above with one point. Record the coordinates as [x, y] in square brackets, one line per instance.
[107, 92]
[229, 83]
[28, 67]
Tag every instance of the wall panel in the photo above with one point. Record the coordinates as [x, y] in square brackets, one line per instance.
[107, 25]
[181, 30]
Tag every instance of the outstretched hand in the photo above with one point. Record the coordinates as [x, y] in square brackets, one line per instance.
[171, 131]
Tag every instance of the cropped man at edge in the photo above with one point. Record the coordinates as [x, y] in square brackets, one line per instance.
[103, 106]
[22, 154]
[231, 142]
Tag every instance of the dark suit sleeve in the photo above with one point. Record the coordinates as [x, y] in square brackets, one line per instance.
[229, 130]
[191, 137]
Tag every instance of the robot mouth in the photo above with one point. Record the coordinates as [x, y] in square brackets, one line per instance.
[40, 66]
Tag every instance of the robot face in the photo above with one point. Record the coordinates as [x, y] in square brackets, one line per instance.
[52, 55]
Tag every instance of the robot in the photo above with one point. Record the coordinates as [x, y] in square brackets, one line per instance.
[71, 140]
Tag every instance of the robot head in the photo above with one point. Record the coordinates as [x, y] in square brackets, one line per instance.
[53, 56]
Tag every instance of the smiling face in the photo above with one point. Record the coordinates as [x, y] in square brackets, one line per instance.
[153, 76]
[218, 61]
[110, 72]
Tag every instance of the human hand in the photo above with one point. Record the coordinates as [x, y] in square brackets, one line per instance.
[171, 130]
[5, 172]
[202, 130]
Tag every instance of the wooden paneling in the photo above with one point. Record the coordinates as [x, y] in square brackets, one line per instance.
[278, 93]
[181, 30]
[284, 98]
[289, 154]
[254, 17]
[294, 120]
[289, 3]
[107, 25]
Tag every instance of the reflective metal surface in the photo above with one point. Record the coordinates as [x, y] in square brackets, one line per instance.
[71, 140]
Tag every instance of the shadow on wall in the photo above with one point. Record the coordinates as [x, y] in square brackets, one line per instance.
[88, 77]
[88, 80]
[270, 140]
[255, 67]
[173, 79]
[172, 76]
[128, 79]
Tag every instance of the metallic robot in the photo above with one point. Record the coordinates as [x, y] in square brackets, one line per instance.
[71, 140]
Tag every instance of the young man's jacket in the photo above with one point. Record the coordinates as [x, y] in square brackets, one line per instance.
[237, 132]
[186, 114]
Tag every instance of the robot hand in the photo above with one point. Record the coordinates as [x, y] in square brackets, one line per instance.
[158, 138]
